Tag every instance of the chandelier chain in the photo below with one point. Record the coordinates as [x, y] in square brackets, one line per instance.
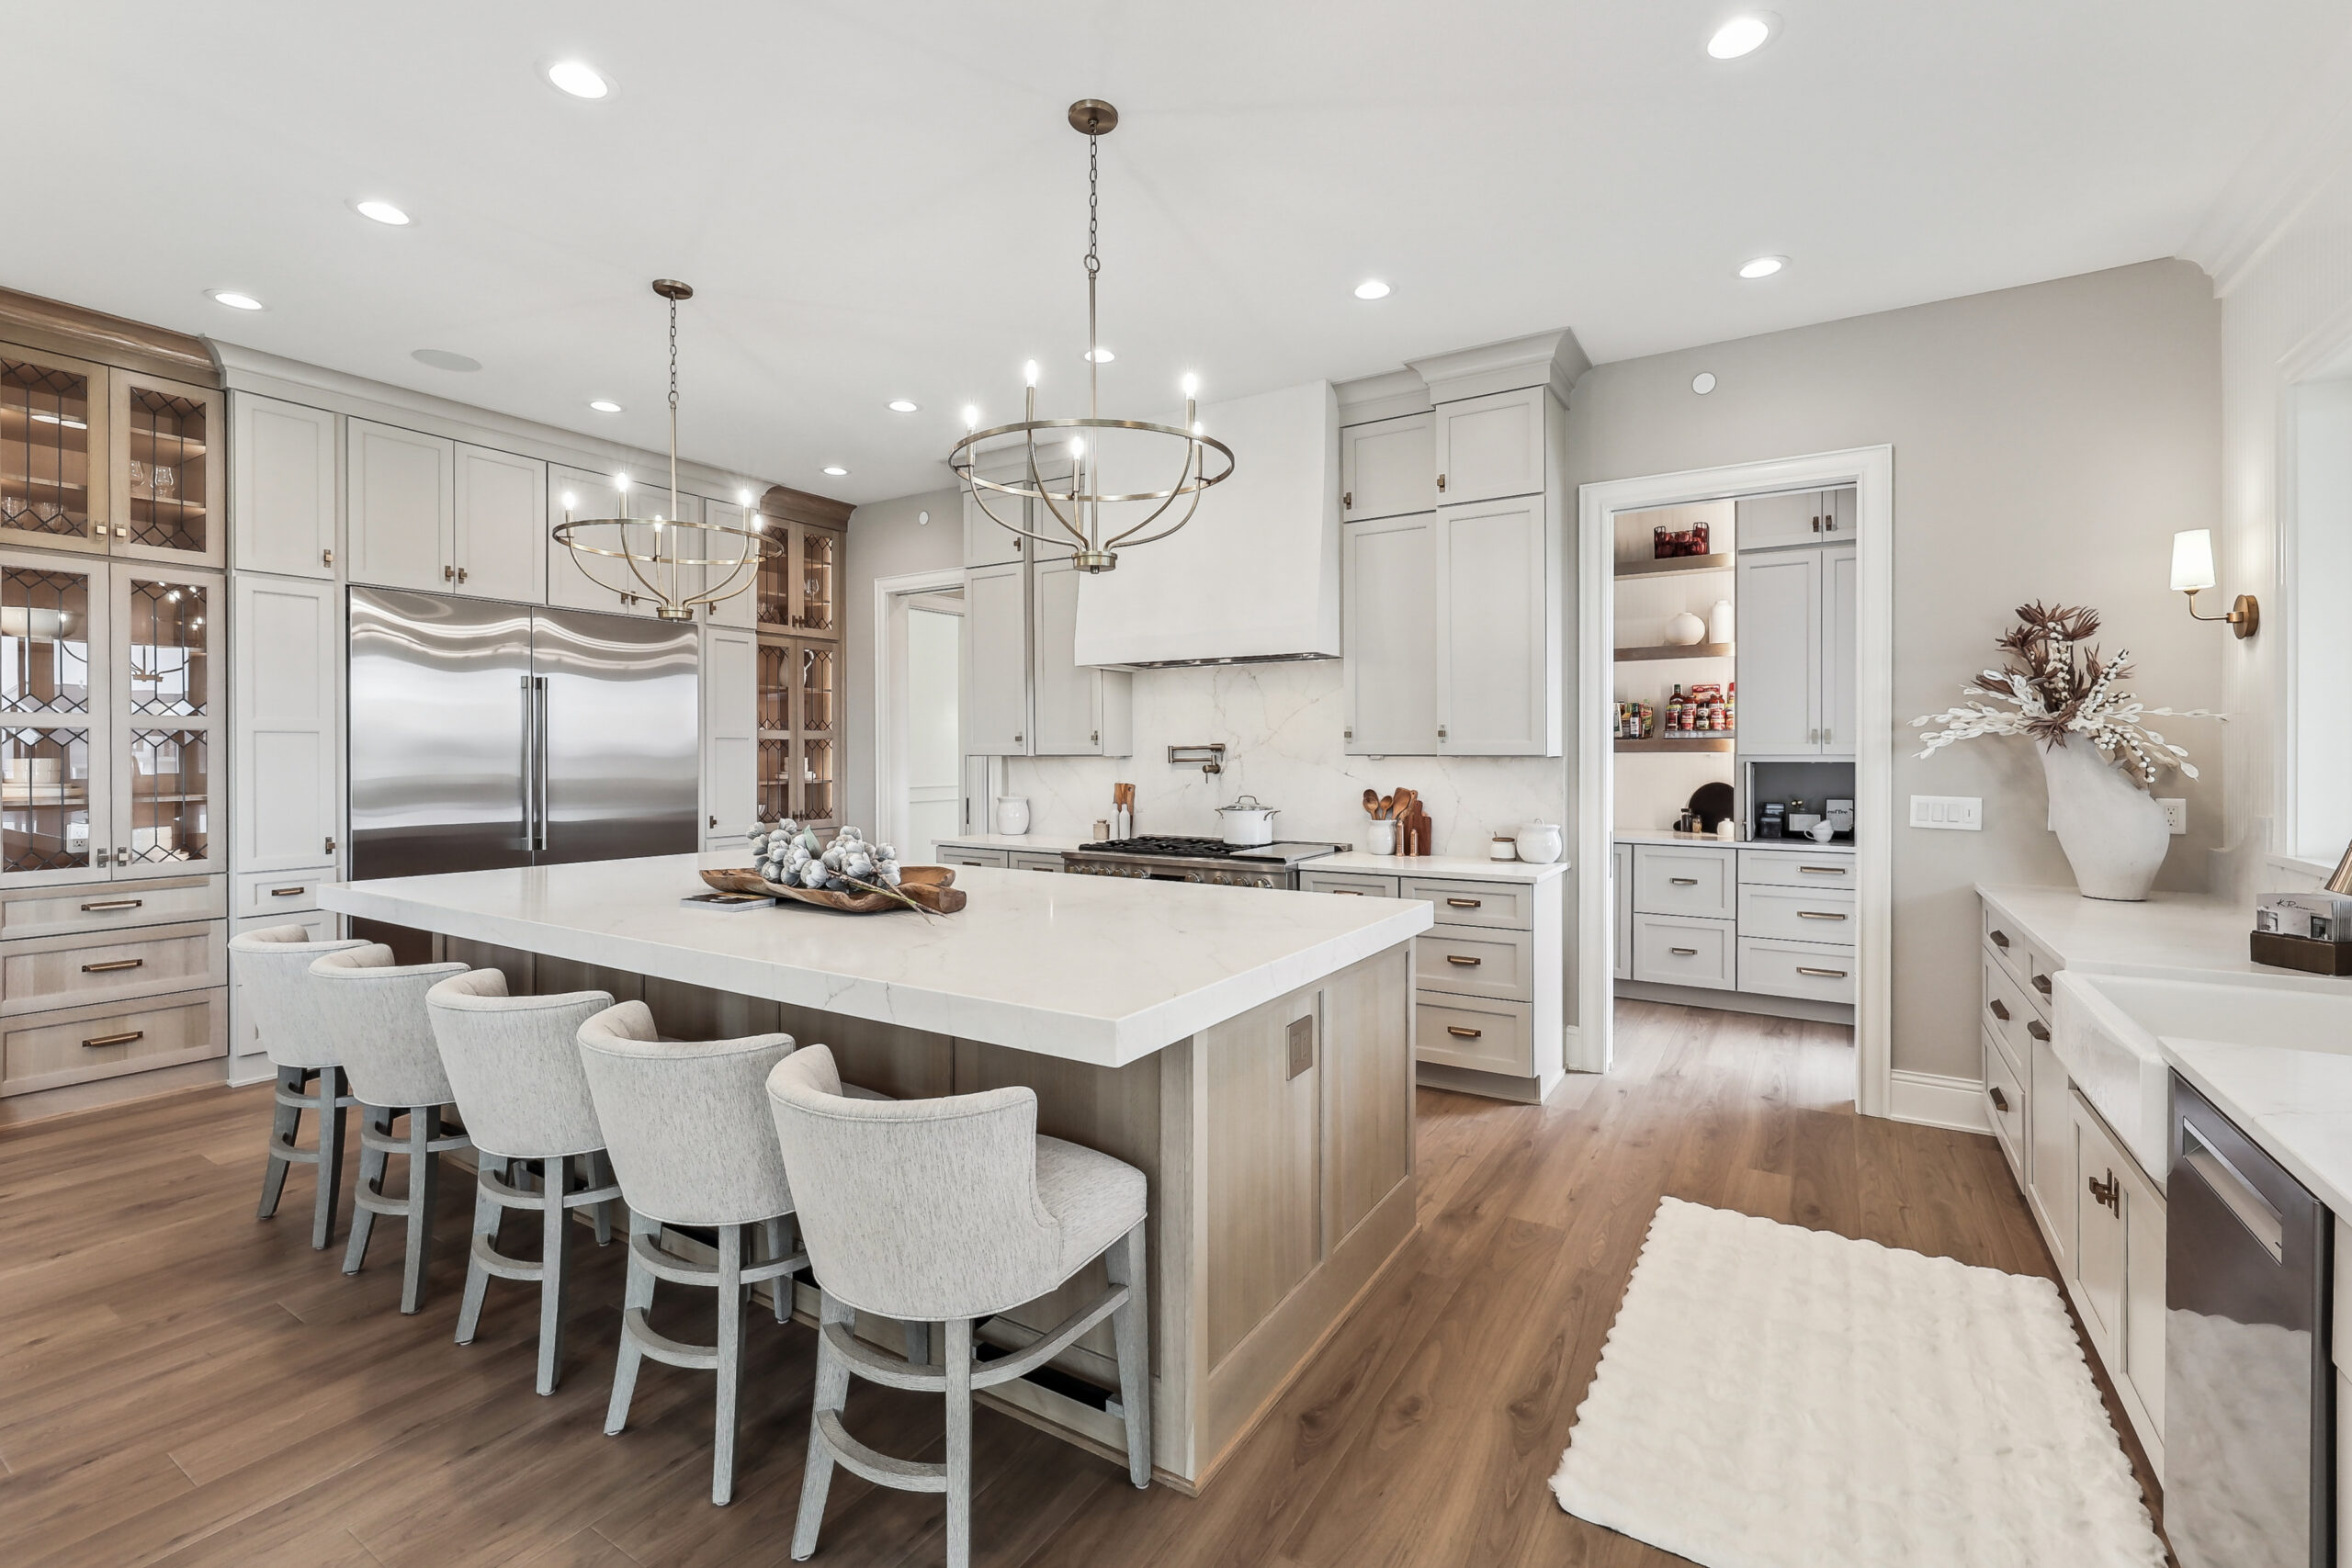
[1093, 202]
[674, 357]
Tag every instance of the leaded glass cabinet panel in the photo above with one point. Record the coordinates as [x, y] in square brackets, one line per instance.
[56, 735]
[166, 708]
[54, 451]
[171, 481]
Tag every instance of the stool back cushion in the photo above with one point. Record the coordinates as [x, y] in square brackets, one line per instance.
[923, 1209]
[685, 1124]
[376, 1008]
[513, 1063]
[271, 968]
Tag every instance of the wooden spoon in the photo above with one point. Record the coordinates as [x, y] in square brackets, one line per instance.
[1387, 807]
[1371, 804]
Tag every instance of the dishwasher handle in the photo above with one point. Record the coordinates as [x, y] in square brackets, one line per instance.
[2258, 1215]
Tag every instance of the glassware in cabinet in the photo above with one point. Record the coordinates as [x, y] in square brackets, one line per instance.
[172, 482]
[56, 736]
[53, 452]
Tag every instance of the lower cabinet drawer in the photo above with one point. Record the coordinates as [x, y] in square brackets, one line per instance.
[269, 892]
[68, 971]
[1024, 862]
[1475, 961]
[1798, 914]
[1816, 970]
[1488, 1037]
[1696, 882]
[2005, 1105]
[1672, 952]
[70, 1046]
[1510, 905]
[51, 911]
[1347, 881]
[953, 854]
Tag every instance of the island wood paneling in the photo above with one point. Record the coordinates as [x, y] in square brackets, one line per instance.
[1265, 1155]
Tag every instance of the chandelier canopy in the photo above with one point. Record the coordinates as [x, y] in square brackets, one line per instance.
[1087, 510]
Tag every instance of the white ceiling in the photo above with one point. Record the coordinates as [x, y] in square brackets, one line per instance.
[878, 201]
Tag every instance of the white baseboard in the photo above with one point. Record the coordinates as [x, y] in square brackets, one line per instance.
[1934, 1101]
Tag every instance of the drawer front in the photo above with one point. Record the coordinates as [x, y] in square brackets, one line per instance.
[1507, 904]
[1469, 961]
[1673, 951]
[2040, 963]
[2006, 941]
[1799, 914]
[1784, 868]
[955, 854]
[1488, 1037]
[2005, 1105]
[1021, 861]
[56, 971]
[1347, 881]
[115, 906]
[263, 894]
[71, 1045]
[2002, 1010]
[1823, 972]
[1684, 882]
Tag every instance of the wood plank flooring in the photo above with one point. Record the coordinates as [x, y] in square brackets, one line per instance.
[182, 1385]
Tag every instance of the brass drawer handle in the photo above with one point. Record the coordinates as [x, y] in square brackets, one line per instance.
[111, 965]
[2038, 1029]
[1684, 881]
[1464, 903]
[1823, 870]
[2000, 1100]
[1349, 892]
[1466, 962]
[1461, 1034]
[1825, 974]
[125, 1038]
[298, 892]
[1817, 915]
[2000, 940]
[114, 903]
[1684, 951]
[2041, 984]
[2000, 1009]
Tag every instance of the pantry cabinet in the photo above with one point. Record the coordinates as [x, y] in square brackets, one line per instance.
[1797, 672]
[1486, 448]
[1388, 468]
[282, 486]
[1496, 653]
[286, 747]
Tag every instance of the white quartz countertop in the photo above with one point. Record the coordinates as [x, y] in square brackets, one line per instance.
[2296, 1104]
[2169, 932]
[1098, 969]
[1354, 860]
[1788, 846]
[1036, 843]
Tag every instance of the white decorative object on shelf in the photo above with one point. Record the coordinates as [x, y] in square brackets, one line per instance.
[1686, 630]
[2114, 833]
[1540, 844]
[1380, 836]
[1012, 813]
[1719, 621]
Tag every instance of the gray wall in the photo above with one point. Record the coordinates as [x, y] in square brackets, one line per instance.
[2048, 440]
[885, 540]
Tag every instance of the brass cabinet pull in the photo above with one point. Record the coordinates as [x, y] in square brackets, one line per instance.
[1818, 915]
[1684, 881]
[1347, 499]
[1349, 892]
[1825, 974]
[326, 558]
[1463, 903]
[2000, 1009]
[1441, 485]
[2041, 984]
[2000, 1100]
[2038, 1029]
[298, 892]
[1684, 951]
[112, 964]
[125, 1038]
[1461, 1034]
[2000, 940]
[461, 574]
[1823, 870]
[114, 903]
[1466, 962]
[448, 572]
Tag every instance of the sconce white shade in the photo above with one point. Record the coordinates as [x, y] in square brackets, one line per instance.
[2192, 560]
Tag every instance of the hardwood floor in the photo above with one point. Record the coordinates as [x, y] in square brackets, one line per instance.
[180, 1384]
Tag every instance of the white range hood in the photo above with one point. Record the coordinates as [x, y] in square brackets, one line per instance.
[1255, 575]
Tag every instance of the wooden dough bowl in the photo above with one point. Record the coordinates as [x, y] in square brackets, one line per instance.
[929, 886]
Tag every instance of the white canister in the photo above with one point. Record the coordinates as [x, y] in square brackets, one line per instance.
[1502, 847]
[1012, 813]
[1719, 621]
[1380, 836]
[1540, 844]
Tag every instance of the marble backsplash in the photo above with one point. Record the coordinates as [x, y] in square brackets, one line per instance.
[1280, 725]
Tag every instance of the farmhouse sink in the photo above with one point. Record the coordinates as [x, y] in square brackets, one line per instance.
[2109, 1028]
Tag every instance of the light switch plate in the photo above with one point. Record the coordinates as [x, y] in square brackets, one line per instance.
[2175, 813]
[1957, 813]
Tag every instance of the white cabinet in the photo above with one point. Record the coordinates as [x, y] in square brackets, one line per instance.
[987, 542]
[1841, 610]
[996, 661]
[400, 504]
[500, 507]
[1798, 619]
[281, 487]
[1387, 468]
[730, 741]
[577, 493]
[1493, 447]
[1079, 711]
[285, 645]
[738, 610]
[1496, 665]
[1389, 635]
[1793, 517]
[2117, 1269]
[1621, 898]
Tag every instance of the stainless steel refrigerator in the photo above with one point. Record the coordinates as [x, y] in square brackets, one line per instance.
[487, 735]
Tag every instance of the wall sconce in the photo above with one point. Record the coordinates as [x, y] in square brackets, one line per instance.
[2192, 573]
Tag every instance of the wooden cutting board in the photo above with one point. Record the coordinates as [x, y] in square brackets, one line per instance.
[1413, 833]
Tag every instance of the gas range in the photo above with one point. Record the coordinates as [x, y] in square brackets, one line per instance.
[1196, 860]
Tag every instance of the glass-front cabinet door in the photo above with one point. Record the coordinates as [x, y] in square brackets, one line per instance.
[817, 663]
[817, 553]
[55, 741]
[54, 451]
[164, 711]
[170, 480]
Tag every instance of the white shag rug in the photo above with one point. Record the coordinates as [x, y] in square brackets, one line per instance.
[1776, 1397]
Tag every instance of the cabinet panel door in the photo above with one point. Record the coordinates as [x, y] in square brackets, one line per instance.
[1770, 522]
[577, 493]
[166, 713]
[1841, 610]
[1068, 696]
[401, 502]
[58, 688]
[1620, 898]
[1779, 654]
[2050, 1156]
[731, 741]
[281, 487]
[501, 505]
[1492, 681]
[1388, 635]
[996, 662]
[738, 610]
[1388, 468]
[166, 439]
[987, 542]
[1837, 513]
[285, 652]
[1492, 446]
[2099, 1252]
[2143, 1291]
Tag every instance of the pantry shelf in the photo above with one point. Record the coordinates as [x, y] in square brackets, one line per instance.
[1688, 650]
[1674, 566]
[1714, 741]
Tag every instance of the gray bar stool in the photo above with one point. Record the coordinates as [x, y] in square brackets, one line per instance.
[272, 967]
[377, 1010]
[949, 1210]
[688, 1133]
[514, 1064]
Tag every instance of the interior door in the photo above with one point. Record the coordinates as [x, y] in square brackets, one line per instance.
[1779, 654]
[619, 755]
[931, 765]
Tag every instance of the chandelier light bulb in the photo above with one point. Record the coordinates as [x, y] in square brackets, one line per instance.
[743, 497]
[1192, 384]
[971, 416]
[570, 501]
[1077, 449]
[621, 481]
[1029, 372]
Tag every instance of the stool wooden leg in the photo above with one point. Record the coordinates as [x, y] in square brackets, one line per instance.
[637, 1293]
[330, 1122]
[731, 1359]
[599, 1173]
[553, 1230]
[487, 1211]
[780, 1238]
[378, 1118]
[957, 1356]
[423, 1187]
[284, 1122]
[918, 1342]
[1130, 1327]
[831, 1395]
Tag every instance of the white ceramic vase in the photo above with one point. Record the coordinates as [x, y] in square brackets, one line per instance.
[2113, 832]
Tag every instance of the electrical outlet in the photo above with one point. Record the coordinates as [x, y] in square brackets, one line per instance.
[1957, 813]
[2175, 813]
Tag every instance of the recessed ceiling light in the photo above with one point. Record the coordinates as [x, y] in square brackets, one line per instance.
[579, 78]
[382, 212]
[605, 405]
[1703, 382]
[1371, 288]
[444, 359]
[904, 405]
[1762, 266]
[835, 470]
[234, 301]
[1100, 355]
[1741, 35]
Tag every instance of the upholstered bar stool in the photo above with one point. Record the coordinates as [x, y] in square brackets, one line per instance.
[949, 1210]
[376, 1009]
[688, 1132]
[273, 967]
[514, 1065]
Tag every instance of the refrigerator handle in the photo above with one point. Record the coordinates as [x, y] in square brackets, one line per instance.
[539, 747]
[530, 770]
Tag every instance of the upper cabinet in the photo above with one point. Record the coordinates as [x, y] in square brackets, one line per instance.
[1080, 710]
[1387, 468]
[399, 501]
[801, 579]
[1497, 446]
[282, 486]
[1388, 621]
[52, 450]
[1793, 517]
[1797, 670]
[1497, 656]
[987, 542]
[500, 505]
[108, 461]
[996, 661]
[740, 609]
[165, 442]
[575, 493]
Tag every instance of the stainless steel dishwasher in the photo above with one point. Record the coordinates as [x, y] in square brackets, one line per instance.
[2247, 1386]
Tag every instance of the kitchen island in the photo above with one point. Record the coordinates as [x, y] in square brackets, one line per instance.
[1251, 1056]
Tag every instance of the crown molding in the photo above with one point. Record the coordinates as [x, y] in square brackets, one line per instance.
[61, 328]
[1554, 359]
[2309, 142]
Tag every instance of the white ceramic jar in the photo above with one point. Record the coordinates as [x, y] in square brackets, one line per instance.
[1012, 813]
[1540, 844]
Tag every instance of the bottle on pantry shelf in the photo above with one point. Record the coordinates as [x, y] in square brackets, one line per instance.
[1674, 708]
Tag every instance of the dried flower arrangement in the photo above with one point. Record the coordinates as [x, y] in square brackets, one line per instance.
[2065, 688]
